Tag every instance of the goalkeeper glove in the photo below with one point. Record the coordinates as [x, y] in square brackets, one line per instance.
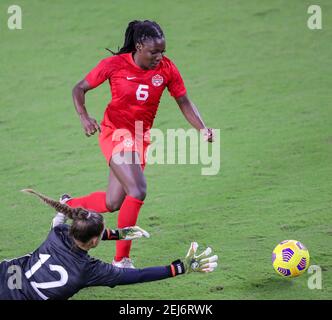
[130, 233]
[195, 263]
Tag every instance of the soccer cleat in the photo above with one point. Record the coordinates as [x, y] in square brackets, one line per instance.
[123, 263]
[64, 198]
[60, 218]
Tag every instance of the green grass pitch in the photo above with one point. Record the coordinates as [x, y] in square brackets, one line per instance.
[255, 71]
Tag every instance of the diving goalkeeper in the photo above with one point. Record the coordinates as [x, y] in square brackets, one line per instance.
[61, 266]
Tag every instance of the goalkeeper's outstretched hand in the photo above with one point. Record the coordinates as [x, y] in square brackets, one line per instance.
[131, 233]
[203, 262]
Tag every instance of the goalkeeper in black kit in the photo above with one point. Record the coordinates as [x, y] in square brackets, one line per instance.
[61, 266]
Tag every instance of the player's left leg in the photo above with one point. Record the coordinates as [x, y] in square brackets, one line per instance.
[133, 181]
[115, 193]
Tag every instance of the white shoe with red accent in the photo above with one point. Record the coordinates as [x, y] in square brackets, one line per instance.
[123, 263]
[60, 218]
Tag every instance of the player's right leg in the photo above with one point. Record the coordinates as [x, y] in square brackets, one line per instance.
[112, 199]
[100, 201]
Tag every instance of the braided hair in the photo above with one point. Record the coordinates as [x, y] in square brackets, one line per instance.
[137, 32]
[86, 224]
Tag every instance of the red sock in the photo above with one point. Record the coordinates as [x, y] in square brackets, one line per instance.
[127, 217]
[95, 202]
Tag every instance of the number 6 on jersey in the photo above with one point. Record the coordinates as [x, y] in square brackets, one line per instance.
[141, 93]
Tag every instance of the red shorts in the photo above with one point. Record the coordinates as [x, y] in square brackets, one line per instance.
[113, 141]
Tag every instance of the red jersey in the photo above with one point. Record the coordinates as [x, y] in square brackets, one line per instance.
[135, 92]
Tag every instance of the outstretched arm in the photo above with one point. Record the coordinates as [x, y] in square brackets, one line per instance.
[89, 124]
[192, 115]
[105, 274]
[192, 262]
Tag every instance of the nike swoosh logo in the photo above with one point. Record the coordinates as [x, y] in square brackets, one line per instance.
[131, 78]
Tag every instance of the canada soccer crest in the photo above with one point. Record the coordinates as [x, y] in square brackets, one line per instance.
[157, 80]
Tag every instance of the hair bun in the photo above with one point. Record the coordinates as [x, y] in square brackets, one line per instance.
[82, 214]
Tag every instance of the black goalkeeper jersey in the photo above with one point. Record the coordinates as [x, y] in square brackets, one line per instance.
[58, 269]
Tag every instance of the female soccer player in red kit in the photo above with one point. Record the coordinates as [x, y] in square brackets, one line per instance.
[138, 75]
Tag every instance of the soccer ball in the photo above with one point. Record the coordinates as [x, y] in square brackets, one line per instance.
[290, 258]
